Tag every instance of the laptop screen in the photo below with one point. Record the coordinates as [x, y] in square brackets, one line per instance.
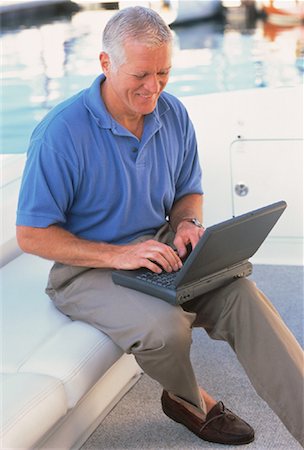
[230, 242]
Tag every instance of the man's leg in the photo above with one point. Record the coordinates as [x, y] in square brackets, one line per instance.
[157, 333]
[272, 358]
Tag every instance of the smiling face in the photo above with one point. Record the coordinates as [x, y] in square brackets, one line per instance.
[133, 88]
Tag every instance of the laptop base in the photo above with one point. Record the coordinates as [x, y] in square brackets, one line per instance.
[187, 291]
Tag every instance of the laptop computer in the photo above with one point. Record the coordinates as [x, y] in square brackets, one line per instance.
[220, 256]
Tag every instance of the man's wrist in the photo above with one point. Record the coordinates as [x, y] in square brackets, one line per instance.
[194, 220]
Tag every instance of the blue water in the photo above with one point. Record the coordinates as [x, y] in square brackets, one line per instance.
[47, 62]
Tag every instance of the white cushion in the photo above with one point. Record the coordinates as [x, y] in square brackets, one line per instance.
[9, 187]
[31, 405]
[49, 361]
[29, 317]
[78, 355]
[38, 338]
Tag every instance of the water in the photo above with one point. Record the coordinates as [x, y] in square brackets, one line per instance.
[46, 62]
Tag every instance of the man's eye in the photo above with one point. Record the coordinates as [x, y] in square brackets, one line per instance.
[144, 75]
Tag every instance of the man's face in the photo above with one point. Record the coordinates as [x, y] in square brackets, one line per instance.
[136, 84]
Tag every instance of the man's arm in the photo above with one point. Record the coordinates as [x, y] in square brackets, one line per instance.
[187, 207]
[59, 245]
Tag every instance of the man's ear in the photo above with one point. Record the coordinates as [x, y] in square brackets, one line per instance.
[104, 62]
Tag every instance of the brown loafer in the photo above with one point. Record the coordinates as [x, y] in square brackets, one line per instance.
[221, 425]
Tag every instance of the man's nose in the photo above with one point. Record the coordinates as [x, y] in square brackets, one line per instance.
[152, 83]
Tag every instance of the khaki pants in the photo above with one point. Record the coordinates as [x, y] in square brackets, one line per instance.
[159, 334]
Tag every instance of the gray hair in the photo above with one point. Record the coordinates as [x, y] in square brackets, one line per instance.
[135, 23]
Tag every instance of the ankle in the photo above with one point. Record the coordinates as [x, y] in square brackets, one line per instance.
[192, 408]
[209, 401]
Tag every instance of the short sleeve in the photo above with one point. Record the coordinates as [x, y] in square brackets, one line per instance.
[47, 188]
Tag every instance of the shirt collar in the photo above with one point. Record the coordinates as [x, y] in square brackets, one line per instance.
[95, 105]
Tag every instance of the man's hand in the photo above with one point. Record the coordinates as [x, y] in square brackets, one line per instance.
[187, 233]
[151, 254]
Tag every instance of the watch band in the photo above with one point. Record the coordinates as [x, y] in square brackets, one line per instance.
[193, 220]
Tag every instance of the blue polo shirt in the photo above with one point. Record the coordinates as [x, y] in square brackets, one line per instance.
[90, 175]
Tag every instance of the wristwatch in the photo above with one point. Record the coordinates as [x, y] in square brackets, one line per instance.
[193, 220]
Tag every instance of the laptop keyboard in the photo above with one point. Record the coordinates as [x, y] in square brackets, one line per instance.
[164, 279]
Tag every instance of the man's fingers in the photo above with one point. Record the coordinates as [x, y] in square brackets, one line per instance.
[151, 254]
[164, 256]
[190, 234]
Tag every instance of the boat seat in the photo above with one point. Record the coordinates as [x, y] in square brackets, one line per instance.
[59, 377]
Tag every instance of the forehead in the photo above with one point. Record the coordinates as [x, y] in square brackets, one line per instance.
[141, 55]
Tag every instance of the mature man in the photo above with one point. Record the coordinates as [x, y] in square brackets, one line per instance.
[104, 171]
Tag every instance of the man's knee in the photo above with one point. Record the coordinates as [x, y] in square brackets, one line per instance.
[235, 306]
[248, 296]
[172, 330]
[244, 305]
[242, 292]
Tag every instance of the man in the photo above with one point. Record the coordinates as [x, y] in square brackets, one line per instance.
[104, 171]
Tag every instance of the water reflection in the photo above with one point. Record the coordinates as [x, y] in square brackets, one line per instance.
[47, 62]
